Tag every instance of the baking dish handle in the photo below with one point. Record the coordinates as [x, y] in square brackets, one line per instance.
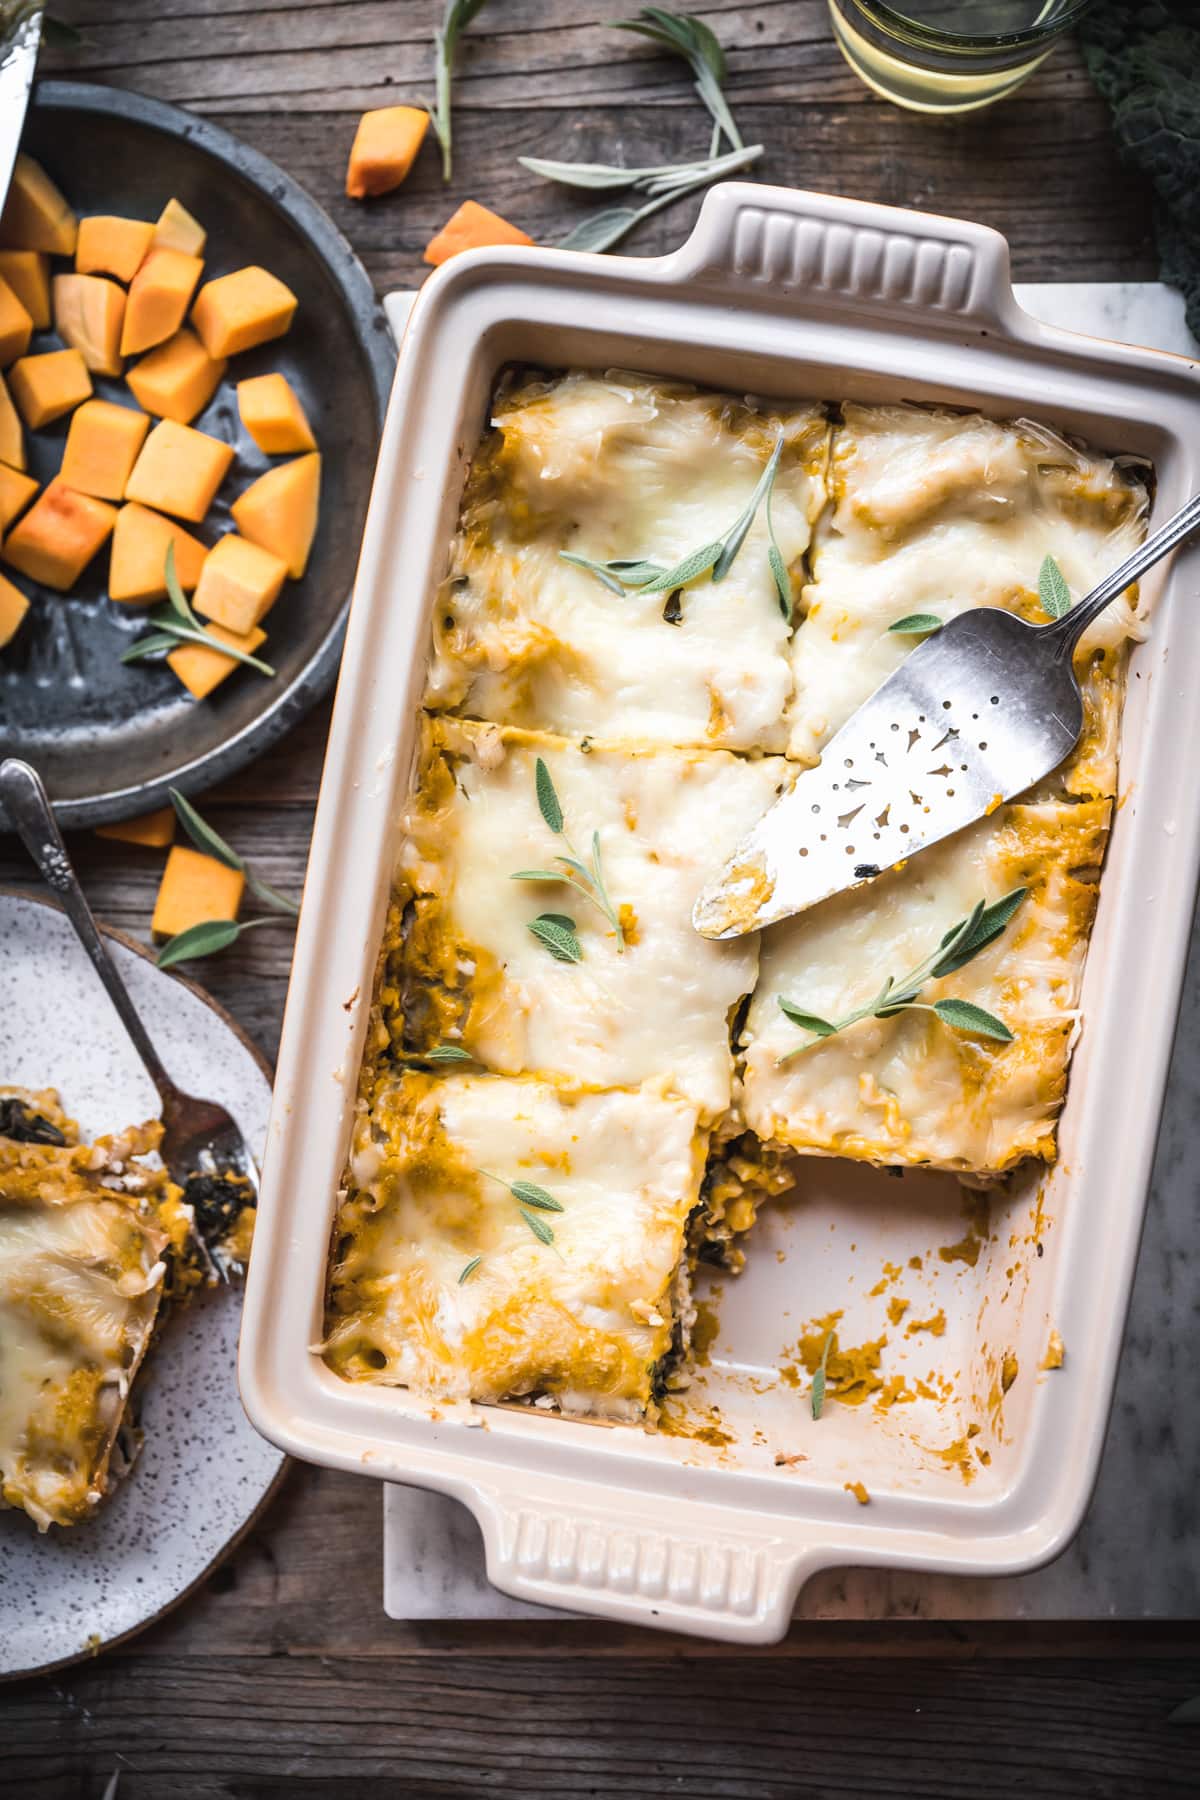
[630, 1564]
[850, 253]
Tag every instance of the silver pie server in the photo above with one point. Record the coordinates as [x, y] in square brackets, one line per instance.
[975, 715]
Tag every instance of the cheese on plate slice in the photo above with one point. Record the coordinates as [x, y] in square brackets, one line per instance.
[461, 961]
[910, 1089]
[621, 466]
[81, 1278]
[442, 1282]
[935, 512]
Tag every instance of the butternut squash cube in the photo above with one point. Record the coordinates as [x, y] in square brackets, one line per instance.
[384, 149]
[36, 217]
[273, 415]
[27, 273]
[239, 583]
[141, 539]
[201, 669]
[59, 535]
[12, 438]
[47, 386]
[179, 470]
[194, 889]
[16, 326]
[159, 296]
[236, 312]
[472, 227]
[89, 313]
[13, 607]
[178, 379]
[279, 511]
[108, 245]
[154, 830]
[177, 230]
[16, 491]
[102, 447]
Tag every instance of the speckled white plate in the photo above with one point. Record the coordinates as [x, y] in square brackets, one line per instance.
[203, 1472]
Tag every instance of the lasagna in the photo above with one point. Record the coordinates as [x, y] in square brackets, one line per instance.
[85, 1231]
[660, 605]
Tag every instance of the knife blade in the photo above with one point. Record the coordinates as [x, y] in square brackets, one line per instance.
[18, 60]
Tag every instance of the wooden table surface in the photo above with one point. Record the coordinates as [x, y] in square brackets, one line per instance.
[283, 1677]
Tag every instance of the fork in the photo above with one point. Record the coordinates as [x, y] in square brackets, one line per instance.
[199, 1137]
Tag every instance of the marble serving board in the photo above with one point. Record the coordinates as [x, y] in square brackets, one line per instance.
[1137, 1554]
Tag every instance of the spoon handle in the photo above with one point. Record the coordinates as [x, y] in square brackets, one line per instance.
[1066, 632]
[24, 797]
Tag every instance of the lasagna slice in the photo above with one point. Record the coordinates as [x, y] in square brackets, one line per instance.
[506, 1238]
[470, 960]
[622, 467]
[908, 1089]
[934, 512]
[83, 1233]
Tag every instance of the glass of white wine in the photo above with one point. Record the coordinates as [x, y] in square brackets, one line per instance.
[948, 56]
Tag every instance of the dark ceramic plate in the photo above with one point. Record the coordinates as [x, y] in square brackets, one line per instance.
[109, 738]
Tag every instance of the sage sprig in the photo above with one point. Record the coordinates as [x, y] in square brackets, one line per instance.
[600, 231]
[1053, 591]
[458, 15]
[683, 34]
[532, 1201]
[557, 930]
[640, 575]
[176, 624]
[818, 1380]
[960, 945]
[211, 935]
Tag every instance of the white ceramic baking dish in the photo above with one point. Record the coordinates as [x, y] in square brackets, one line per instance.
[794, 294]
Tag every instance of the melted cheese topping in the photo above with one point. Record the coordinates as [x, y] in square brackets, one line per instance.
[613, 1070]
[586, 1319]
[907, 1089]
[618, 466]
[666, 819]
[80, 1284]
[937, 512]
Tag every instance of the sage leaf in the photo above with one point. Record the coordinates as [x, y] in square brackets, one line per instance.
[916, 625]
[600, 231]
[689, 37]
[202, 833]
[806, 1020]
[987, 923]
[530, 1194]
[199, 940]
[538, 875]
[449, 1053]
[457, 17]
[964, 1015]
[1053, 591]
[468, 1269]
[547, 799]
[543, 1232]
[558, 939]
[599, 570]
[699, 562]
[155, 645]
[818, 1380]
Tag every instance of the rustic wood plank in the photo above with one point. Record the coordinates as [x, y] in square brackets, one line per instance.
[724, 1729]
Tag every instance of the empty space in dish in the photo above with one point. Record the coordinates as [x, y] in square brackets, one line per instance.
[1059, 1245]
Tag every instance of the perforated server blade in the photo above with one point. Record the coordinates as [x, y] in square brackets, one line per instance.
[978, 713]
